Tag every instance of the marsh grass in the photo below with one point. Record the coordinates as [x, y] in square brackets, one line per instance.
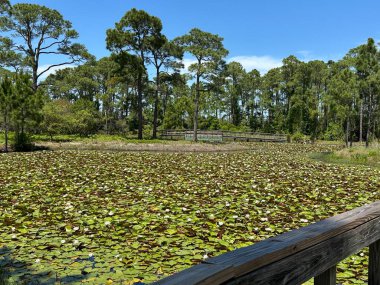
[93, 138]
[357, 155]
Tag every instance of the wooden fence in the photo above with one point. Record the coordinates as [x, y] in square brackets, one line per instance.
[296, 256]
[217, 136]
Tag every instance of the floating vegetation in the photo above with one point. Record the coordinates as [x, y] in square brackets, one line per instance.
[122, 218]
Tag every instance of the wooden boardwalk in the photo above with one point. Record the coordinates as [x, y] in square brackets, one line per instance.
[296, 256]
[219, 136]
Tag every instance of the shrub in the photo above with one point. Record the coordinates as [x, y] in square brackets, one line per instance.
[22, 142]
[299, 137]
[333, 133]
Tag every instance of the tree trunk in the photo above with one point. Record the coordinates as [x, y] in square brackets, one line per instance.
[106, 117]
[368, 133]
[6, 131]
[126, 103]
[139, 106]
[155, 114]
[196, 110]
[165, 100]
[369, 120]
[347, 131]
[34, 76]
[361, 123]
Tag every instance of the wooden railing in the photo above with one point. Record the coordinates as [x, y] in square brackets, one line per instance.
[223, 135]
[296, 256]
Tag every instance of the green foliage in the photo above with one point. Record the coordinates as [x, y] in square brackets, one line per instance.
[209, 51]
[334, 132]
[22, 142]
[176, 116]
[57, 117]
[130, 41]
[6, 106]
[31, 31]
[134, 31]
[64, 117]
[94, 139]
[353, 156]
[20, 109]
[299, 137]
[27, 104]
[209, 123]
[86, 118]
[365, 61]
[166, 54]
[235, 72]
[333, 100]
[207, 48]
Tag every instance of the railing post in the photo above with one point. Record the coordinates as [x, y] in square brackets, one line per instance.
[326, 278]
[374, 264]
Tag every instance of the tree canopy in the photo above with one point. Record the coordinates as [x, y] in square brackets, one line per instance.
[142, 87]
[30, 31]
[131, 38]
[208, 50]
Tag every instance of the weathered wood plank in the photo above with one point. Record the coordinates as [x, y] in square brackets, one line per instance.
[296, 256]
[326, 278]
[302, 266]
[374, 263]
[246, 136]
[199, 274]
[270, 250]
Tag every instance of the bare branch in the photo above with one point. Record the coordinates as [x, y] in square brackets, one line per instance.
[55, 65]
[55, 52]
[52, 44]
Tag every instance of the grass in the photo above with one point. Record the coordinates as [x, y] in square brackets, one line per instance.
[95, 141]
[122, 143]
[358, 155]
[94, 138]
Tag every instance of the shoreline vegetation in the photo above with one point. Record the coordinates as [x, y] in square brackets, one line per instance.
[103, 142]
[308, 100]
[357, 155]
[121, 143]
[146, 146]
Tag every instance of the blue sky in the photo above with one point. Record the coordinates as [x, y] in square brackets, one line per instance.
[259, 34]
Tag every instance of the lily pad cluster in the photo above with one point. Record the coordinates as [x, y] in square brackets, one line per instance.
[71, 217]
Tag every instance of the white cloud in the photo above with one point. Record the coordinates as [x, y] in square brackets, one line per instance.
[52, 70]
[261, 63]
[187, 62]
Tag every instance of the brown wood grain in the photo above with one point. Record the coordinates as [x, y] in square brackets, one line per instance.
[326, 278]
[313, 261]
[319, 246]
[374, 263]
[199, 274]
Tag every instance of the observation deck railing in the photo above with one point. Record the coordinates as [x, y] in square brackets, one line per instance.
[218, 136]
[296, 256]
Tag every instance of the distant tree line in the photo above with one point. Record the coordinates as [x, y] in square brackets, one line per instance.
[118, 95]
